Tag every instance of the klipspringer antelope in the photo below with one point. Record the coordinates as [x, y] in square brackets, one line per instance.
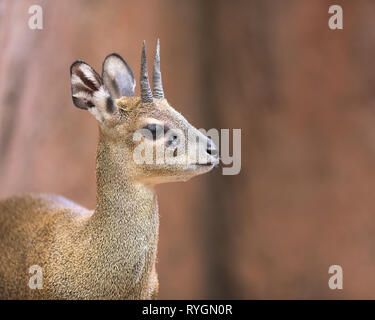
[110, 252]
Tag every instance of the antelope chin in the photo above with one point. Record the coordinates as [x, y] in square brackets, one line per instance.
[202, 167]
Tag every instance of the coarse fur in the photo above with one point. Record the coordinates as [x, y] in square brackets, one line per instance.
[110, 252]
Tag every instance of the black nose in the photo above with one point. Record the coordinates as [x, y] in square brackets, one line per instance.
[211, 149]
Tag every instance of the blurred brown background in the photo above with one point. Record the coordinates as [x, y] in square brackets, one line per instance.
[302, 94]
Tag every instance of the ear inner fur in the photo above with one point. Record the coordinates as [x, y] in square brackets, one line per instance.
[118, 76]
[89, 91]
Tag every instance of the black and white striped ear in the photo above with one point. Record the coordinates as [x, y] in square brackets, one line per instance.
[118, 77]
[89, 92]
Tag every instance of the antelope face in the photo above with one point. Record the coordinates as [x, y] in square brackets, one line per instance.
[159, 143]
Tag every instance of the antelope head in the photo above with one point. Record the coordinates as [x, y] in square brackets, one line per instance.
[149, 140]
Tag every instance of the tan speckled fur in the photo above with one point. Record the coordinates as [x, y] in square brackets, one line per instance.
[107, 253]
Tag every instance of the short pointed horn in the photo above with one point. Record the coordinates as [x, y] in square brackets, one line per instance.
[146, 93]
[157, 84]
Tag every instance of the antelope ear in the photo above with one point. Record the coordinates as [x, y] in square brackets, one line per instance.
[118, 77]
[89, 92]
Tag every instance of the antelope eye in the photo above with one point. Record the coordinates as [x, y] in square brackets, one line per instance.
[172, 138]
[155, 129]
